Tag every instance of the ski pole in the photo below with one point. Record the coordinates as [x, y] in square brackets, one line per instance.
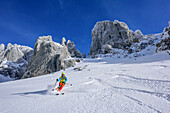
[55, 84]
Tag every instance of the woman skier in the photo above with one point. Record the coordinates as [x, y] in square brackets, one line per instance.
[62, 81]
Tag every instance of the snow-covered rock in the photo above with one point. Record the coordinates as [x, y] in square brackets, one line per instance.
[164, 43]
[146, 46]
[115, 39]
[14, 59]
[2, 47]
[63, 41]
[48, 57]
[139, 33]
[73, 51]
[116, 34]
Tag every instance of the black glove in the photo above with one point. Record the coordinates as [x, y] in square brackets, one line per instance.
[57, 79]
[63, 83]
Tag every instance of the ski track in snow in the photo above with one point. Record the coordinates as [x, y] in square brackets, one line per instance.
[142, 104]
[103, 86]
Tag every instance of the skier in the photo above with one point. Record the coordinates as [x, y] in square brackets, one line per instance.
[62, 81]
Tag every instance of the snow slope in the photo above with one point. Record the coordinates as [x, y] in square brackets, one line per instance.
[105, 85]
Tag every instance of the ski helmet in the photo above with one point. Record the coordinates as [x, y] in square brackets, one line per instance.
[62, 73]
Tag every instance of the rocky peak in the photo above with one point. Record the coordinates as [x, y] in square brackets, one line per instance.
[44, 38]
[63, 41]
[164, 43]
[73, 51]
[2, 47]
[9, 46]
[113, 34]
[139, 33]
[14, 59]
[48, 57]
[14, 52]
[70, 44]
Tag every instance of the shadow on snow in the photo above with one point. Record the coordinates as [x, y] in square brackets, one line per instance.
[41, 92]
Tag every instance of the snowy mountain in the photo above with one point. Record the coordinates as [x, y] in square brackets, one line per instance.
[109, 39]
[14, 60]
[107, 35]
[115, 39]
[18, 61]
[48, 57]
[104, 85]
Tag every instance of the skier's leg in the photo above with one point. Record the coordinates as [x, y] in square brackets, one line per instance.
[61, 87]
[60, 84]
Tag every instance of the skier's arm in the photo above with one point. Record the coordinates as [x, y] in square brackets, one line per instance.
[65, 80]
[59, 79]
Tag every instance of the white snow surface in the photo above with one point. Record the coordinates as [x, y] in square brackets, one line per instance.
[105, 85]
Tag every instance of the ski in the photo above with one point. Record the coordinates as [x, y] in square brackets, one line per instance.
[60, 94]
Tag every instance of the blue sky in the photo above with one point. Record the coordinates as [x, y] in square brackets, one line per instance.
[23, 21]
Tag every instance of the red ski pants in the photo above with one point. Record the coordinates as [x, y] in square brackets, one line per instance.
[61, 86]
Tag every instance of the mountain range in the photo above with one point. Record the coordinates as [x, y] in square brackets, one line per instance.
[109, 39]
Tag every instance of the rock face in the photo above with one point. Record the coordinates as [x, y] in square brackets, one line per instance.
[107, 35]
[48, 57]
[114, 39]
[139, 33]
[73, 51]
[14, 59]
[63, 42]
[164, 44]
